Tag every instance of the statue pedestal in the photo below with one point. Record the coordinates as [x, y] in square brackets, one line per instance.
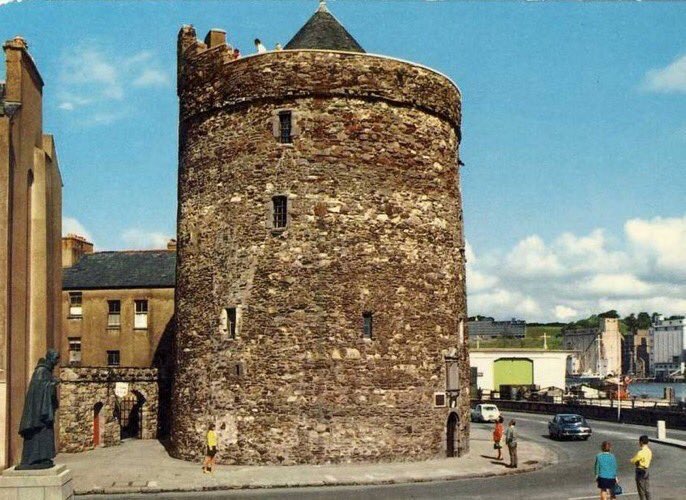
[55, 483]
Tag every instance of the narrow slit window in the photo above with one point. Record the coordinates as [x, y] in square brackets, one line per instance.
[367, 330]
[280, 209]
[229, 322]
[285, 127]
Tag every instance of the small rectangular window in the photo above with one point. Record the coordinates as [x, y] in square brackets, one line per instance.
[229, 321]
[112, 358]
[141, 317]
[280, 210]
[74, 350]
[75, 304]
[113, 313]
[285, 127]
[368, 325]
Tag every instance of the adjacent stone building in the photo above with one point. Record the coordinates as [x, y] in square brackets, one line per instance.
[320, 292]
[30, 230]
[118, 310]
[597, 351]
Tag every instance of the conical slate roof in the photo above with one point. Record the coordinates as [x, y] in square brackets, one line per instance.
[324, 32]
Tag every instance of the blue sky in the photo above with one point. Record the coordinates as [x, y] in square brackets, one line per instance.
[574, 130]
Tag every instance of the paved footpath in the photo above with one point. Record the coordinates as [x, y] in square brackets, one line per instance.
[144, 467]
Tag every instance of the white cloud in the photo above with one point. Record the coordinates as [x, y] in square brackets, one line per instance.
[532, 258]
[564, 313]
[661, 241]
[671, 78]
[573, 276]
[72, 226]
[95, 81]
[138, 239]
[151, 78]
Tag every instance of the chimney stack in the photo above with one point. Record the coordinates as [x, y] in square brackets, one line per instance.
[73, 248]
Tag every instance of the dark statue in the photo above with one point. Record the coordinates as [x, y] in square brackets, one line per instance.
[38, 420]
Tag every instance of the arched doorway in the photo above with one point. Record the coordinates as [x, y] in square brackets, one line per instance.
[451, 435]
[98, 424]
[131, 415]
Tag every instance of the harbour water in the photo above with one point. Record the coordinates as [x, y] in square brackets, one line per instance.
[657, 389]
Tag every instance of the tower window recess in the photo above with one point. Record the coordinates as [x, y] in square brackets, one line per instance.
[280, 211]
[367, 328]
[229, 322]
[285, 127]
[75, 304]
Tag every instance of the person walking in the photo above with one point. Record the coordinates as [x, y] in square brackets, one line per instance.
[211, 451]
[511, 442]
[498, 437]
[641, 461]
[606, 471]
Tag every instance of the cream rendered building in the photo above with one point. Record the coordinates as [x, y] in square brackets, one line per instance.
[496, 367]
[30, 227]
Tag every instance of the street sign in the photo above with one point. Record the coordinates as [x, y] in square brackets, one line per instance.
[121, 389]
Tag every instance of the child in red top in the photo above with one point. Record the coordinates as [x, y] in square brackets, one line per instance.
[497, 437]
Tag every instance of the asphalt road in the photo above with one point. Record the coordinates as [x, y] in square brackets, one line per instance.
[570, 479]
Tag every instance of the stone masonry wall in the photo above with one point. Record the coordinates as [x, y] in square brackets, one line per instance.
[82, 388]
[375, 224]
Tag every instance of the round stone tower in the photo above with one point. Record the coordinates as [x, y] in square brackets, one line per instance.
[320, 296]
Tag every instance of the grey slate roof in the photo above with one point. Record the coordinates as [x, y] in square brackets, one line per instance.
[323, 31]
[127, 269]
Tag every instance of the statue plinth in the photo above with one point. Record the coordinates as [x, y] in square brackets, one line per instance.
[39, 484]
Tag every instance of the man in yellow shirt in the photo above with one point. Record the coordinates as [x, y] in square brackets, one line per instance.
[642, 462]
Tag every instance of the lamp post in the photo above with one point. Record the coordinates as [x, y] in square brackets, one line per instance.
[619, 399]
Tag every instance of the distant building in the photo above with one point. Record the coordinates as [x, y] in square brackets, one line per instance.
[117, 325]
[636, 353]
[30, 231]
[116, 305]
[495, 367]
[597, 351]
[490, 329]
[669, 346]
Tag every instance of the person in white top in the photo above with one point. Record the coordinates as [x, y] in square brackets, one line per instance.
[261, 49]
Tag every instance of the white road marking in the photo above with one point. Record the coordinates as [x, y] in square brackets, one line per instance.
[596, 496]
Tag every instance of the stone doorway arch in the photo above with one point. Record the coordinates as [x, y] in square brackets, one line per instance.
[452, 432]
[131, 415]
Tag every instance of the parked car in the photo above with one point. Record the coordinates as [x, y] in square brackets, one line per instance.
[485, 413]
[569, 425]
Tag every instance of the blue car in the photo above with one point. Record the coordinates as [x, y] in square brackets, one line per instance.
[568, 425]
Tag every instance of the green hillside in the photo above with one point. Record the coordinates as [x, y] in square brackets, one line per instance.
[533, 339]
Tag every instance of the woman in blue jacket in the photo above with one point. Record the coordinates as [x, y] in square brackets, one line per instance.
[606, 471]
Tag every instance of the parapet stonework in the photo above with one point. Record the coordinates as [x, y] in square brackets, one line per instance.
[88, 394]
[374, 226]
